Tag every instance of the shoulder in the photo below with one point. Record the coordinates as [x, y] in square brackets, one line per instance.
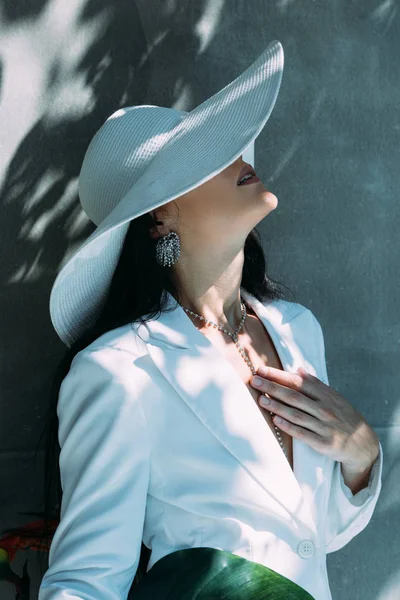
[121, 341]
[103, 378]
[306, 329]
[290, 310]
[302, 319]
[109, 360]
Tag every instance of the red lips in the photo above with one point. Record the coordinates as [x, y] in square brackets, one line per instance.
[245, 170]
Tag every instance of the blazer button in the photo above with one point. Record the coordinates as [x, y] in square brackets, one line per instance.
[306, 549]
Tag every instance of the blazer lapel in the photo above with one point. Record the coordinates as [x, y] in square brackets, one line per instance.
[210, 386]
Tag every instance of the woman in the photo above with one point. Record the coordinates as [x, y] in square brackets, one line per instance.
[165, 437]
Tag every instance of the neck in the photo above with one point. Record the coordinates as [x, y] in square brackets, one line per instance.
[211, 290]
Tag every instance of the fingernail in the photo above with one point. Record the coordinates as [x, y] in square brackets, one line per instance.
[302, 371]
[256, 381]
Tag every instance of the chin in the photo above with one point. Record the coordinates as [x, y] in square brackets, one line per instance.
[269, 199]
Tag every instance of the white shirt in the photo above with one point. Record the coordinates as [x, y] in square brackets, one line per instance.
[161, 440]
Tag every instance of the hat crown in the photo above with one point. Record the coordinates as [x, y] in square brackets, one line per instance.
[120, 152]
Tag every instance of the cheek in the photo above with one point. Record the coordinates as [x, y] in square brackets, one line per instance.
[199, 213]
[212, 202]
[209, 205]
[243, 195]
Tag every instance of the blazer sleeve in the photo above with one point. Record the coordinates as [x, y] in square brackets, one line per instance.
[347, 514]
[104, 466]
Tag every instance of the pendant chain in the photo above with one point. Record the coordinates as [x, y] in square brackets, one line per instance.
[234, 336]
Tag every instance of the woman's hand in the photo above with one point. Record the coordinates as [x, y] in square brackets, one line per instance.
[318, 415]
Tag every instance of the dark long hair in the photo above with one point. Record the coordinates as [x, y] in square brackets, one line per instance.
[132, 295]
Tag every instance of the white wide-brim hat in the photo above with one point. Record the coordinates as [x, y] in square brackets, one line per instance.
[143, 157]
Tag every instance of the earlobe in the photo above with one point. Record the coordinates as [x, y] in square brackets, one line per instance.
[154, 234]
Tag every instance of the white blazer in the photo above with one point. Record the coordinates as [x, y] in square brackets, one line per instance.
[162, 441]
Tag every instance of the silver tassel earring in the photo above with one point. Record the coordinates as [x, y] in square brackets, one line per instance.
[168, 249]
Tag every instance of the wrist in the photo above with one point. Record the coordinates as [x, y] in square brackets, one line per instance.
[356, 477]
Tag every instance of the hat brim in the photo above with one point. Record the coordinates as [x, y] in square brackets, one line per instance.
[215, 133]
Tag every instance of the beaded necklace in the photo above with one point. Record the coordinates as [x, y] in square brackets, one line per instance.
[234, 336]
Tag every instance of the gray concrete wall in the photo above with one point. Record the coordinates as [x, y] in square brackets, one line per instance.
[330, 152]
